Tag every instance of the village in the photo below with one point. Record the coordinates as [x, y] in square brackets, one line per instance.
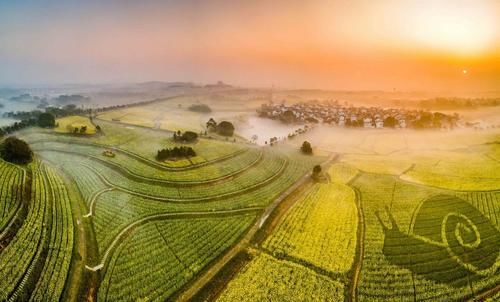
[333, 113]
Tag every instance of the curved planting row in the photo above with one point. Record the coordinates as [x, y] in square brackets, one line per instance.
[40, 253]
[182, 195]
[12, 181]
[23, 257]
[161, 257]
[269, 169]
[242, 163]
[144, 160]
[50, 285]
[120, 237]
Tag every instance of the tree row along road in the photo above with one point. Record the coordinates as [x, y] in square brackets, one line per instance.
[142, 159]
[162, 216]
[206, 276]
[141, 178]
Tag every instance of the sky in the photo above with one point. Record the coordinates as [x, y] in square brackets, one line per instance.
[344, 45]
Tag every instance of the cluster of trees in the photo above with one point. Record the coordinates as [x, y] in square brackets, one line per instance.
[433, 120]
[186, 137]
[203, 108]
[44, 120]
[70, 109]
[175, 152]
[224, 128]
[17, 126]
[80, 130]
[16, 151]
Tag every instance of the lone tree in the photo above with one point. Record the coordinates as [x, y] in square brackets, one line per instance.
[316, 171]
[225, 128]
[306, 148]
[46, 120]
[16, 151]
[211, 125]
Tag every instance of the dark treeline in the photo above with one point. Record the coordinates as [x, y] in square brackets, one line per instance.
[175, 152]
[457, 103]
[203, 108]
[44, 119]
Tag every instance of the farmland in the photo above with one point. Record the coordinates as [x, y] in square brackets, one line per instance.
[187, 214]
[388, 218]
[68, 125]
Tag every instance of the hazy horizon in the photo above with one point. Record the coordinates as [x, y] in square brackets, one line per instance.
[451, 46]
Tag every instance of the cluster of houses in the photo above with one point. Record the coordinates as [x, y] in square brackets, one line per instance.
[348, 116]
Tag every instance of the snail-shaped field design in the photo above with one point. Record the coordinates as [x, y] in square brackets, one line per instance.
[449, 241]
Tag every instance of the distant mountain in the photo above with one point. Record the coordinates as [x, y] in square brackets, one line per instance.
[158, 85]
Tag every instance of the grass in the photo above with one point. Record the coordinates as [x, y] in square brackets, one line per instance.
[69, 123]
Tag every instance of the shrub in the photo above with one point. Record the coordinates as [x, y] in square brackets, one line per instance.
[46, 120]
[306, 148]
[16, 151]
[225, 128]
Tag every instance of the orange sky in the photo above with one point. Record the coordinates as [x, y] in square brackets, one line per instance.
[403, 45]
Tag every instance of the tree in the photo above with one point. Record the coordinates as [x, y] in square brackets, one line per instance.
[211, 125]
[83, 129]
[317, 169]
[255, 137]
[390, 122]
[46, 120]
[98, 128]
[306, 148]
[16, 151]
[225, 128]
[189, 136]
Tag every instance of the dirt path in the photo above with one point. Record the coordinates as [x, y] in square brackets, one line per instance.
[205, 277]
[94, 198]
[358, 262]
[80, 284]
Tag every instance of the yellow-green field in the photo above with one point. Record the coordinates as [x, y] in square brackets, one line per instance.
[69, 123]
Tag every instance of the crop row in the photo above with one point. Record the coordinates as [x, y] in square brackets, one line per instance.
[320, 229]
[267, 169]
[141, 167]
[18, 261]
[51, 283]
[268, 279]
[11, 191]
[161, 257]
[486, 202]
